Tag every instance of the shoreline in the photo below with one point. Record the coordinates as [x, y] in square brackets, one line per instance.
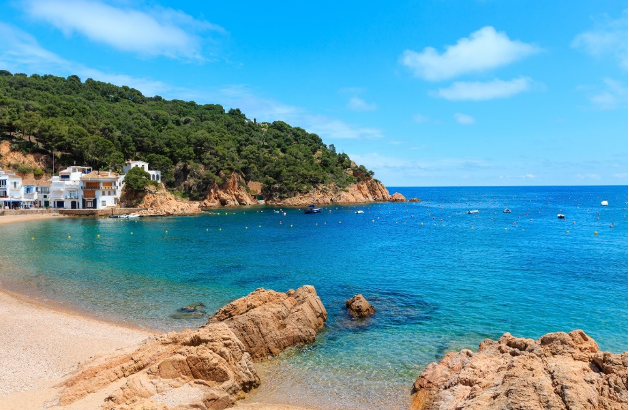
[43, 343]
[7, 219]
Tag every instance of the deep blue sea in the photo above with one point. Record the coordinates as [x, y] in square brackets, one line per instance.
[440, 279]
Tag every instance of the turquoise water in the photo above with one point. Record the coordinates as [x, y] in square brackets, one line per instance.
[441, 280]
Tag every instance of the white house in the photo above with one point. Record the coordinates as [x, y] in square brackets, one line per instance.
[155, 175]
[10, 190]
[101, 189]
[65, 188]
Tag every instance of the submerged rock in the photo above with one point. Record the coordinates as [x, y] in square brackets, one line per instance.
[207, 368]
[414, 200]
[558, 371]
[192, 311]
[359, 307]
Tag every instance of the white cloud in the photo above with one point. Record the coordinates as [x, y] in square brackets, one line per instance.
[336, 129]
[525, 176]
[160, 31]
[420, 118]
[352, 90]
[609, 37]
[478, 91]
[21, 53]
[610, 96]
[464, 119]
[483, 50]
[358, 104]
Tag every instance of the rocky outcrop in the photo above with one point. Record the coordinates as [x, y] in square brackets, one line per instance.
[359, 307]
[8, 156]
[233, 192]
[397, 197]
[268, 322]
[365, 191]
[414, 200]
[159, 202]
[558, 371]
[207, 368]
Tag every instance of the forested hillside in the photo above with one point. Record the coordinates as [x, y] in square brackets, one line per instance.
[195, 146]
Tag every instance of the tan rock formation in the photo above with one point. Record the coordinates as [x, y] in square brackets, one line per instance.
[159, 202]
[414, 200]
[397, 197]
[362, 192]
[37, 160]
[558, 371]
[268, 322]
[208, 368]
[232, 193]
[359, 307]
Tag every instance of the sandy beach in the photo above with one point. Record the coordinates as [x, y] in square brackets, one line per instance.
[40, 345]
[6, 219]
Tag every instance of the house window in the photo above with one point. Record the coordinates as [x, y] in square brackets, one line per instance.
[104, 203]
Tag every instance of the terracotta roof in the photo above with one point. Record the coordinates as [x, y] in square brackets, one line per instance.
[100, 175]
[31, 181]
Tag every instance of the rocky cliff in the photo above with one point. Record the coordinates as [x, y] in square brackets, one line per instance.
[158, 202]
[207, 368]
[233, 192]
[558, 371]
[362, 192]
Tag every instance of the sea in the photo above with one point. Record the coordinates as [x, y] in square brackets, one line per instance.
[440, 279]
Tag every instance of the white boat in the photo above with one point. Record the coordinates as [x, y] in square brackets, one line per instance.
[473, 211]
[561, 216]
[359, 212]
[506, 211]
[131, 216]
[604, 203]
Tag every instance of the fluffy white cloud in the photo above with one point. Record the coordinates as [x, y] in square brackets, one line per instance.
[464, 118]
[478, 91]
[160, 31]
[482, 50]
[608, 37]
[613, 95]
[21, 53]
[358, 104]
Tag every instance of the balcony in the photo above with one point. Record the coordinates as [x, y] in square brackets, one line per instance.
[89, 193]
[91, 185]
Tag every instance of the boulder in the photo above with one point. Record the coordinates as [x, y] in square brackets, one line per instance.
[208, 368]
[359, 307]
[414, 200]
[268, 322]
[192, 311]
[397, 197]
[558, 371]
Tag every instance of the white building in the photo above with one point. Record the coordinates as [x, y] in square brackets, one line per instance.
[155, 175]
[101, 189]
[65, 189]
[10, 190]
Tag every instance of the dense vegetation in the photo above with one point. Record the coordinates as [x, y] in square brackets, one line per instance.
[195, 146]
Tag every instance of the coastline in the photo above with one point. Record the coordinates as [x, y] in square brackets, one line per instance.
[7, 219]
[43, 344]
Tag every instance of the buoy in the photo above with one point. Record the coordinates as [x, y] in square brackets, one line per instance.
[131, 234]
[69, 236]
[98, 236]
[567, 231]
[340, 222]
[259, 226]
[422, 223]
[220, 229]
[246, 227]
[472, 227]
[33, 238]
[505, 229]
[373, 220]
[291, 226]
[206, 230]
[595, 233]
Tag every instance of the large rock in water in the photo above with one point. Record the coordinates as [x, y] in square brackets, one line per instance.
[558, 371]
[359, 307]
[208, 368]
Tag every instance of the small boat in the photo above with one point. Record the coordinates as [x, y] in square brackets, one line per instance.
[473, 211]
[312, 210]
[359, 212]
[506, 211]
[561, 216]
[604, 203]
[132, 216]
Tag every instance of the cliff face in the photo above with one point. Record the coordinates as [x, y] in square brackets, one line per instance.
[362, 192]
[559, 371]
[207, 368]
[7, 156]
[232, 193]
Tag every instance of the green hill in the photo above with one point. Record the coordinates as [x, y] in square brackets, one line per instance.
[195, 146]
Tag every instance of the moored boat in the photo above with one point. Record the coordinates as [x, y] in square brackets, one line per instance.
[604, 203]
[473, 211]
[506, 211]
[312, 210]
[561, 216]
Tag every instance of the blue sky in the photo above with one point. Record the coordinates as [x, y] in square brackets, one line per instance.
[425, 93]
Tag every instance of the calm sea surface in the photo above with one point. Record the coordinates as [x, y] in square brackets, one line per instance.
[440, 279]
